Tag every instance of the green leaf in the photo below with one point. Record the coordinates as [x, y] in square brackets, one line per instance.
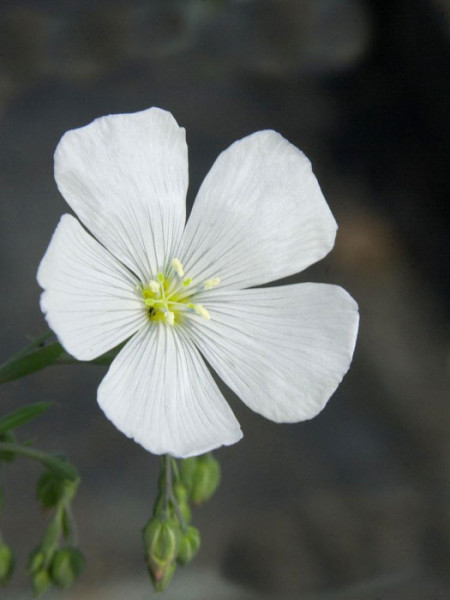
[23, 364]
[22, 415]
[104, 360]
[39, 341]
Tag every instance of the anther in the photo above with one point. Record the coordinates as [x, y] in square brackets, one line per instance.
[210, 283]
[177, 267]
[154, 286]
[170, 317]
[200, 310]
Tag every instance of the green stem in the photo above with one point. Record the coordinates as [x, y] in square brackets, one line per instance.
[165, 486]
[73, 530]
[63, 468]
[176, 471]
[169, 490]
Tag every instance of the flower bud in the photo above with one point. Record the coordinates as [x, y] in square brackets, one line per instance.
[187, 470]
[206, 479]
[186, 512]
[180, 491]
[182, 497]
[36, 560]
[49, 489]
[67, 565]
[40, 582]
[6, 563]
[162, 584]
[189, 545]
[52, 488]
[161, 539]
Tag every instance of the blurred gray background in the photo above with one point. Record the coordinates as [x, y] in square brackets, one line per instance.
[354, 504]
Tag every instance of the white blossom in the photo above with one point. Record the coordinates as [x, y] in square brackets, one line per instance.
[176, 293]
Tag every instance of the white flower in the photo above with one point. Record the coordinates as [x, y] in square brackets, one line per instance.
[177, 292]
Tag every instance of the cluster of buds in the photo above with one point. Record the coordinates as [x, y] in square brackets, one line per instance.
[56, 560]
[60, 567]
[169, 539]
[50, 563]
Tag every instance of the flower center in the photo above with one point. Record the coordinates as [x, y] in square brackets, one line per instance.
[168, 297]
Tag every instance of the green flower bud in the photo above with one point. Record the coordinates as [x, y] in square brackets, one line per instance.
[180, 491]
[40, 582]
[49, 489]
[162, 584]
[189, 545]
[36, 560]
[186, 512]
[187, 469]
[161, 539]
[182, 497]
[6, 563]
[206, 479]
[67, 565]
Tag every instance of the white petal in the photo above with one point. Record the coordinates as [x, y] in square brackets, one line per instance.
[282, 350]
[90, 300]
[126, 178]
[159, 392]
[260, 215]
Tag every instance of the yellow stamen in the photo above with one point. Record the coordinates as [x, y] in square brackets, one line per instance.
[166, 298]
[200, 310]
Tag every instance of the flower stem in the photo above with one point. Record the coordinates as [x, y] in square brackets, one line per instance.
[63, 468]
[169, 496]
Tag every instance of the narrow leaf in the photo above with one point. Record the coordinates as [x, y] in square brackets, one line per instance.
[22, 415]
[21, 364]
